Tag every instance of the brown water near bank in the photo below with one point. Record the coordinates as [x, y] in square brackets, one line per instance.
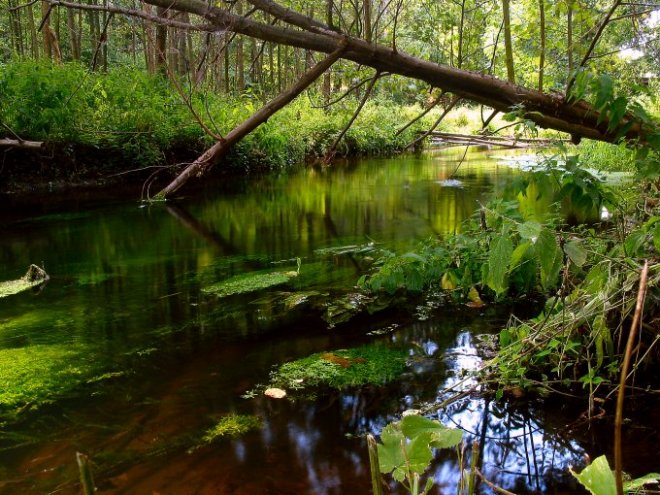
[157, 361]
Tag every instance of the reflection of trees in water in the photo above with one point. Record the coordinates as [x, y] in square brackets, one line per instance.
[521, 449]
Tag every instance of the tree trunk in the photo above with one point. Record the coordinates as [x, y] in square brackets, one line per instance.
[542, 40]
[34, 42]
[508, 44]
[210, 156]
[45, 30]
[240, 56]
[161, 42]
[569, 38]
[73, 34]
[367, 21]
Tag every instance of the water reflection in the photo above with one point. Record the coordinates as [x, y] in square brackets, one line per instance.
[152, 361]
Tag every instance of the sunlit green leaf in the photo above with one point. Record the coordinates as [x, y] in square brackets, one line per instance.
[575, 252]
[598, 478]
[549, 256]
[498, 263]
[441, 437]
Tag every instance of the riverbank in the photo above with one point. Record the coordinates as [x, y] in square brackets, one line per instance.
[124, 125]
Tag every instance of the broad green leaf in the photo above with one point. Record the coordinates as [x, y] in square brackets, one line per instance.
[441, 437]
[390, 454]
[656, 236]
[549, 256]
[413, 256]
[530, 230]
[597, 477]
[397, 456]
[419, 453]
[498, 263]
[575, 252]
[449, 281]
[519, 253]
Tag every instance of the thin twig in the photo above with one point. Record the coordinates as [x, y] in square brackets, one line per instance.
[431, 107]
[594, 40]
[451, 105]
[618, 461]
[492, 485]
[331, 151]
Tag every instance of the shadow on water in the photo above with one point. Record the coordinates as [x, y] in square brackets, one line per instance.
[130, 361]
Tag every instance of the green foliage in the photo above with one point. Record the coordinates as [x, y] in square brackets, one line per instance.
[232, 426]
[599, 479]
[405, 449]
[141, 118]
[370, 364]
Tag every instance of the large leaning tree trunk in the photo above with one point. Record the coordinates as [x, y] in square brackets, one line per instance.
[210, 156]
[547, 110]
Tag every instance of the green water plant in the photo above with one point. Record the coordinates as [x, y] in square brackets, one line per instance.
[249, 282]
[374, 364]
[34, 277]
[406, 448]
[232, 426]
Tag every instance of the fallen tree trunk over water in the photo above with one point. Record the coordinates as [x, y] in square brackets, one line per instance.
[454, 139]
[547, 110]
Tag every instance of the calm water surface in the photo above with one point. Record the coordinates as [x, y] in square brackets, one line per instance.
[139, 362]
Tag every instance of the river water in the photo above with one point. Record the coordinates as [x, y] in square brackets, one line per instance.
[130, 361]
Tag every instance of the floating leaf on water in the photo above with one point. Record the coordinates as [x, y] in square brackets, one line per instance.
[275, 393]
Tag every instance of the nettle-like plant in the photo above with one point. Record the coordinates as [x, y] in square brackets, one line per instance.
[406, 452]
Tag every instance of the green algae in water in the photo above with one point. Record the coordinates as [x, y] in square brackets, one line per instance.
[232, 426]
[41, 373]
[249, 282]
[35, 276]
[370, 364]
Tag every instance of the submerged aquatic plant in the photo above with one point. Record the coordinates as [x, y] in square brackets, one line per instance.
[232, 426]
[249, 282]
[370, 364]
[35, 276]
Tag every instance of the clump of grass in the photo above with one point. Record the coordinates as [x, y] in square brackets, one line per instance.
[232, 426]
[370, 364]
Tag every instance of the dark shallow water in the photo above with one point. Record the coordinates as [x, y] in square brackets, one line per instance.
[144, 362]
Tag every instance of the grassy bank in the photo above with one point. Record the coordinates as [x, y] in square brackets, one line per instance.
[97, 124]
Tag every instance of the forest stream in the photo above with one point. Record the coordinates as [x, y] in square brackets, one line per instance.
[123, 356]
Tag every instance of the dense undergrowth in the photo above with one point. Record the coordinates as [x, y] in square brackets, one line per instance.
[588, 270]
[127, 119]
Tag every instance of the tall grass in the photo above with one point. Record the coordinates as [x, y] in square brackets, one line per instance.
[143, 119]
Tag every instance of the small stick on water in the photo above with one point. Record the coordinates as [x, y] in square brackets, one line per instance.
[374, 465]
[86, 479]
